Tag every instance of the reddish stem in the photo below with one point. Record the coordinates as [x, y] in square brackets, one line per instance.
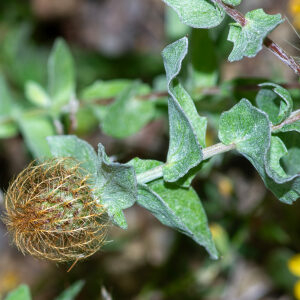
[268, 43]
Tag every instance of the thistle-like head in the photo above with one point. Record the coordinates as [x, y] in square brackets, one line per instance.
[51, 213]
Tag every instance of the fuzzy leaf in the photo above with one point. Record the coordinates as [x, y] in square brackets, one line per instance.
[197, 13]
[35, 130]
[116, 187]
[36, 94]
[61, 74]
[248, 39]
[72, 146]
[71, 292]
[176, 207]
[249, 129]
[187, 128]
[276, 102]
[232, 2]
[128, 114]
[104, 89]
[20, 293]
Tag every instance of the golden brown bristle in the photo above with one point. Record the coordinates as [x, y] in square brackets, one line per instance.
[51, 213]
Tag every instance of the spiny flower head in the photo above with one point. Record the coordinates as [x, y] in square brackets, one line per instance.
[51, 213]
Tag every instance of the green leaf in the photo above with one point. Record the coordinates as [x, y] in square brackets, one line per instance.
[104, 89]
[116, 187]
[61, 77]
[197, 13]
[248, 39]
[72, 146]
[71, 292]
[187, 128]
[176, 207]
[232, 2]
[20, 293]
[35, 130]
[8, 128]
[249, 129]
[276, 102]
[128, 114]
[36, 94]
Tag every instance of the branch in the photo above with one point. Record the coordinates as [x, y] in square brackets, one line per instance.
[268, 43]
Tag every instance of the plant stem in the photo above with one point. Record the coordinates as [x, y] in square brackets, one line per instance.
[216, 149]
[150, 175]
[268, 43]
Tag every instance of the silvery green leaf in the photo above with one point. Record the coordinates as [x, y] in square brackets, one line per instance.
[275, 101]
[187, 128]
[174, 206]
[115, 188]
[128, 114]
[197, 13]
[249, 129]
[248, 39]
[72, 146]
[22, 292]
[61, 74]
[36, 94]
[35, 130]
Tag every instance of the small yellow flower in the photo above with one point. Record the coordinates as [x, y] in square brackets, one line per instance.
[216, 230]
[297, 290]
[294, 8]
[225, 187]
[294, 267]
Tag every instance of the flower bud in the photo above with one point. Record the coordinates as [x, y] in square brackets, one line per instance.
[51, 213]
